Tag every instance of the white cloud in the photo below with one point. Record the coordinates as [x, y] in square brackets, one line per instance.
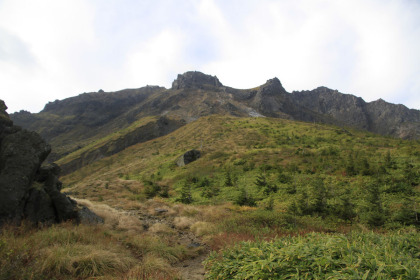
[367, 48]
[151, 62]
[55, 33]
[55, 49]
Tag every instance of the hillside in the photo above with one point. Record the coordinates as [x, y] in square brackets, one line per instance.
[73, 123]
[269, 160]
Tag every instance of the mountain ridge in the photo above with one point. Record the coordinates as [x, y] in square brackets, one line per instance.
[74, 122]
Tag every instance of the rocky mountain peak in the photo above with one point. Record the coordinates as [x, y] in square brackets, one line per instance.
[4, 117]
[195, 79]
[272, 86]
[324, 89]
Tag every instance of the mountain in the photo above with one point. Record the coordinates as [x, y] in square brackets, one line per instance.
[251, 178]
[77, 122]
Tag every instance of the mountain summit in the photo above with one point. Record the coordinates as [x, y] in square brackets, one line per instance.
[194, 79]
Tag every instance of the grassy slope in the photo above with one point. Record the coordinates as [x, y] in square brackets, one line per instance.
[291, 155]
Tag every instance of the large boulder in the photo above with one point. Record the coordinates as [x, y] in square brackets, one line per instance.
[188, 157]
[27, 189]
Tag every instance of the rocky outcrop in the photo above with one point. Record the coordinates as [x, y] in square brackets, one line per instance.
[391, 119]
[345, 109]
[27, 189]
[340, 108]
[194, 79]
[271, 99]
[188, 157]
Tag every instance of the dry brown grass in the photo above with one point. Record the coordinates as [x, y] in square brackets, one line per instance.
[183, 222]
[151, 268]
[161, 228]
[151, 206]
[62, 251]
[203, 228]
[113, 218]
[151, 245]
[187, 210]
[216, 213]
[83, 261]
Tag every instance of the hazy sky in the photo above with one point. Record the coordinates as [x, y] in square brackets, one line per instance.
[53, 49]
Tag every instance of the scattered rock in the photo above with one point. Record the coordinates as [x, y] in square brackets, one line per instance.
[160, 210]
[194, 245]
[188, 157]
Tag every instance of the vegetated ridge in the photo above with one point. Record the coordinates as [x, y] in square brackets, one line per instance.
[73, 123]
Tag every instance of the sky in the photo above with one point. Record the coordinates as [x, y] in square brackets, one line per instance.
[54, 49]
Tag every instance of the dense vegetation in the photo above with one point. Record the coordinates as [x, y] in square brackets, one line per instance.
[268, 182]
[321, 256]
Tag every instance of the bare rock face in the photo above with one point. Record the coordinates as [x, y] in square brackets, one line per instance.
[194, 79]
[398, 120]
[27, 190]
[341, 108]
[345, 109]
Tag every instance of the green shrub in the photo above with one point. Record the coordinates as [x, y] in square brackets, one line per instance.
[186, 196]
[245, 199]
[320, 256]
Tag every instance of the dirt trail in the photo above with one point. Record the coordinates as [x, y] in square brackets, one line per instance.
[189, 269]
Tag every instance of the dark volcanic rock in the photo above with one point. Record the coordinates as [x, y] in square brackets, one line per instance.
[21, 155]
[188, 157]
[194, 79]
[28, 190]
[39, 206]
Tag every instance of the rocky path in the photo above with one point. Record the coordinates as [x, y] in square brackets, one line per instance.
[192, 269]
[189, 269]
